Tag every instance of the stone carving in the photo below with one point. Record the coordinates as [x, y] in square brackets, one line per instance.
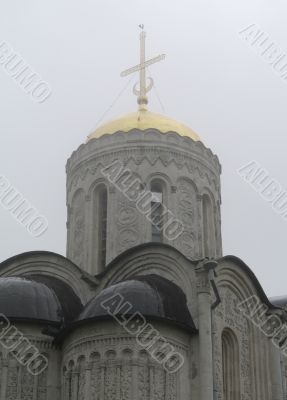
[208, 175]
[127, 223]
[186, 205]
[171, 389]
[42, 385]
[159, 384]
[226, 316]
[125, 373]
[186, 201]
[12, 380]
[95, 375]
[27, 384]
[128, 238]
[20, 383]
[126, 381]
[202, 282]
[167, 154]
[127, 215]
[113, 378]
[144, 384]
[187, 244]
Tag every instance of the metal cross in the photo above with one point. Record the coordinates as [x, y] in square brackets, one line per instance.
[144, 87]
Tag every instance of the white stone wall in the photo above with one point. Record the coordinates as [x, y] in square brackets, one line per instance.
[102, 361]
[187, 169]
[16, 380]
[259, 374]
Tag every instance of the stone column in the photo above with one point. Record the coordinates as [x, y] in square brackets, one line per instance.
[88, 371]
[75, 383]
[112, 232]
[69, 381]
[66, 386]
[19, 379]
[151, 381]
[102, 386]
[200, 235]
[205, 335]
[218, 231]
[134, 380]
[35, 388]
[118, 378]
[4, 379]
[276, 372]
[89, 220]
[54, 380]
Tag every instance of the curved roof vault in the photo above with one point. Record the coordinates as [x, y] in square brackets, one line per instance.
[40, 287]
[52, 266]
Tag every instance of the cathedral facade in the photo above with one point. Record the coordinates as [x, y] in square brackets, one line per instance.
[144, 306]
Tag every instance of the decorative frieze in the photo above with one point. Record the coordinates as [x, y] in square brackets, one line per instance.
[118, 369]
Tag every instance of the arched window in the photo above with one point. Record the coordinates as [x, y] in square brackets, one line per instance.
[208, 227]
[99, 229]
[78, 228]
[70, 383]
[156, 213]
[102, 225]
[81, 371]
[230, 366]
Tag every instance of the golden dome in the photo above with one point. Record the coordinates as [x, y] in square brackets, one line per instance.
[142, 120]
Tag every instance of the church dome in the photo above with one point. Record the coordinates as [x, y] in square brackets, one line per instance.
[25, 300]
[143, 120]
[151, 295]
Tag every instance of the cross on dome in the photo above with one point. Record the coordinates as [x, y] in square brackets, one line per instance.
[144, 86]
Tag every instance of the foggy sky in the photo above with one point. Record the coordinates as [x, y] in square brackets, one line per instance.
[212, 80]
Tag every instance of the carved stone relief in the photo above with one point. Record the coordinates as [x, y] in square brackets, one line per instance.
[20, 383]
[186, 213]
[127, 224]
[124, 375]
[226, 316]
[208, 175]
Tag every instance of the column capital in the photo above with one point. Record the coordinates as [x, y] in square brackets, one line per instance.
[202, 274]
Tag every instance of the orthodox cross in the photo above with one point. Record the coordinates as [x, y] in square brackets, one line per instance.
[144, 86]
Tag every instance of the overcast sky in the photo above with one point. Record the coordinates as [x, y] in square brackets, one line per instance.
[212, 80]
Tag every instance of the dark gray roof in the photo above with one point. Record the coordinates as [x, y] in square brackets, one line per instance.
[45, 287]
[25, 300]
[279, 301]
[70, 303]
[150, 295]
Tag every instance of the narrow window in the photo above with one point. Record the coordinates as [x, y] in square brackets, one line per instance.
[230, 366]
[208, 227]
[70, 380]
[102, 226]
[156, 212]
